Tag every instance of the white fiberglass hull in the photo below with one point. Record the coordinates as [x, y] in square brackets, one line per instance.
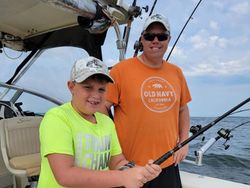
[190, 180]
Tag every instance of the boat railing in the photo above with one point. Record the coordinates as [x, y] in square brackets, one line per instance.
[20, 90]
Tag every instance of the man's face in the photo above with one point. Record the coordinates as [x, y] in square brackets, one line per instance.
[89, 96]
[158, 46]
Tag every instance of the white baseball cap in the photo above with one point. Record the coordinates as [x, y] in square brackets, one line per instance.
[157, 18]
[86, 67]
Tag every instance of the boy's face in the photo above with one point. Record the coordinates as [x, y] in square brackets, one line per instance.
[89, 96]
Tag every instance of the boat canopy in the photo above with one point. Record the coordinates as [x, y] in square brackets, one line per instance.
[27, 25]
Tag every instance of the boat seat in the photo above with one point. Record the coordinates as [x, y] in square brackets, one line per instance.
[20, 147]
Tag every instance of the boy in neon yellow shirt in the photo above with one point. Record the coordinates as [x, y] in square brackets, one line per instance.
[79, 145]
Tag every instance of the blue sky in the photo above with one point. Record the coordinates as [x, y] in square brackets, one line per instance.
[213, 52]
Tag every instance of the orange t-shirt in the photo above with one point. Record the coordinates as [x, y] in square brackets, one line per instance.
[147, 103]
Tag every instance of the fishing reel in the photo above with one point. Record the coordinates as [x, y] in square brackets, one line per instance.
[195, 129]
[225, 133]
[135, 10]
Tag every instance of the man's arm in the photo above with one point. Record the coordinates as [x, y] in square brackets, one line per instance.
[106, 108]
[184, 124]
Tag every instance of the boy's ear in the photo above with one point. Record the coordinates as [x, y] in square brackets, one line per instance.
[71, 85]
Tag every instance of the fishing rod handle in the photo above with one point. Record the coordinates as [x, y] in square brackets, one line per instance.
[163, 157]
[130, 164]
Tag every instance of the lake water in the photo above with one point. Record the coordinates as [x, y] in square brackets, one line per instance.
[231, 164]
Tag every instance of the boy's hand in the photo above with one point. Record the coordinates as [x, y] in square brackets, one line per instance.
[137, 176]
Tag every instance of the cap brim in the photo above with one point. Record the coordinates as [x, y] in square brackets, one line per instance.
[160, 22]
[84, 77]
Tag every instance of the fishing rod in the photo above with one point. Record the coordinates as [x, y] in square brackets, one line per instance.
[199, 130]
[183, 29]
[222, 133]
[153, 7]
[239, 111]
[202, 130]
[239, 125]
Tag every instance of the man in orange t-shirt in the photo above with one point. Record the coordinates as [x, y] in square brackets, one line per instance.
[150, 99]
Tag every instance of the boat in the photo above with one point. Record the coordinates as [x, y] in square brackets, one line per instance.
[35, 32]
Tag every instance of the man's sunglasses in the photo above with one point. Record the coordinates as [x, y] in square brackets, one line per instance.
[151, 36]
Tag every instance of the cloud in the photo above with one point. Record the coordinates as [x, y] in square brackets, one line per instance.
[178, 52]
[214, 25]
[242, 8]
[205, 40]
[216, 66]
[218, 4]
[198, 42]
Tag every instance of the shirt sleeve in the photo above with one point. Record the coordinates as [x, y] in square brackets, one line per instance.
[113, 90]
[185, 93]
[115, 145]
[55, 134]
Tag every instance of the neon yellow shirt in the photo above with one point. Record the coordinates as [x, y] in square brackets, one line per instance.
[64, 131]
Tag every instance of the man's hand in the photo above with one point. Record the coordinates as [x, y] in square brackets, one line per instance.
[153, 170]
[180, 154]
